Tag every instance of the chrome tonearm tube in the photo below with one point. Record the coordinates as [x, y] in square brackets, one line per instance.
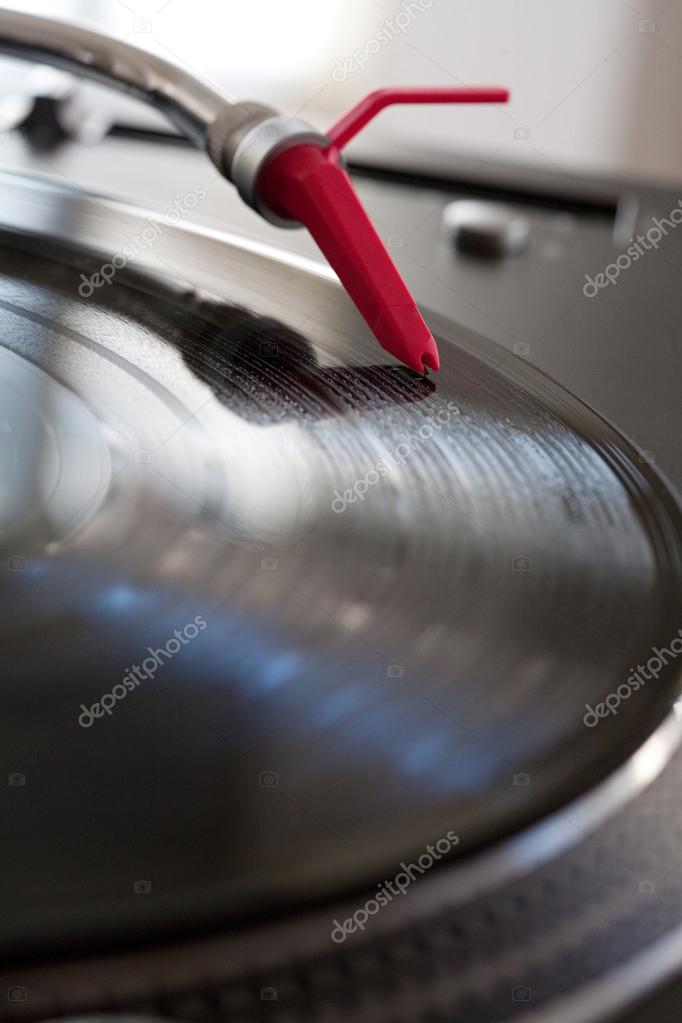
[239, 137]
[283, 168]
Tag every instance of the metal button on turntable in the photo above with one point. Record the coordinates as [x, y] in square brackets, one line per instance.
[486, 229]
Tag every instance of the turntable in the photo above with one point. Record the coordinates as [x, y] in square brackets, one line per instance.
[332, 689]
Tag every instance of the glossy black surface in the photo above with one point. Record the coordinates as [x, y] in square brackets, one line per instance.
[390, 667]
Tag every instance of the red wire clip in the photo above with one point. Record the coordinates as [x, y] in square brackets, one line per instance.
[306, 182]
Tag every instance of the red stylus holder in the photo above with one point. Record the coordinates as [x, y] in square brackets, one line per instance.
[306, 182]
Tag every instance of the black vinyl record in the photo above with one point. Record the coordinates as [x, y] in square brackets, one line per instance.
[279, 614]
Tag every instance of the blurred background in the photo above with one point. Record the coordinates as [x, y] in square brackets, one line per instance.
[497, 216]
[594, 85]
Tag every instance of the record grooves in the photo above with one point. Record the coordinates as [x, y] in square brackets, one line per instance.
[411, 588]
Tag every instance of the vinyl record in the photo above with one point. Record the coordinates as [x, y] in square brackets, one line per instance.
[279, 614]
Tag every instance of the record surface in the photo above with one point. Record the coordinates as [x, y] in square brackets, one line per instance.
[370, 607]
